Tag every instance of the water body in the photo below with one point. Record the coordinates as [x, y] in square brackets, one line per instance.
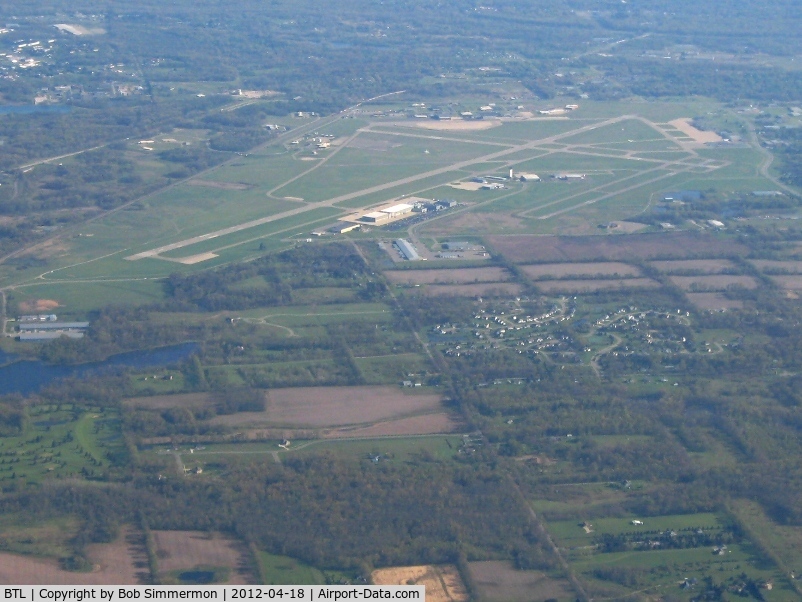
[30, 109]
[28, 377]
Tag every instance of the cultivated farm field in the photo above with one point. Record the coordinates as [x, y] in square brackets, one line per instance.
[317, 407]
[183, 551]
[122, 562]
[699, 266]
[712, 282]
[589, 286]
[448, 276]
[567, 270]
[550, 249]
[487, 289]
[499, 581]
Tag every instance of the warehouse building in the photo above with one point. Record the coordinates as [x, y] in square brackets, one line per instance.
[343, 227]
[397, 210]
[406, 249]
[32, 326]
[375, 217]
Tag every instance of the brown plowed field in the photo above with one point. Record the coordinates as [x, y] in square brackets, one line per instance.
[499, 581]
[428, 424]
[448, 276]
[487, 289]
[318, 407]
[563, 270]
[700, 266]
[778, 267]
[713, 301]
[184, 550]
[792, 283]
[590, 286]
[123, 562]
[547, 249]
[712, 282]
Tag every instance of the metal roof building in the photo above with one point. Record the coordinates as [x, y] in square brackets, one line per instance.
[399, 209]
[407, 250]
[52, 325]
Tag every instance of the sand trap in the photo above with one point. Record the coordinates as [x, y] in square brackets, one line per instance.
[684, 126]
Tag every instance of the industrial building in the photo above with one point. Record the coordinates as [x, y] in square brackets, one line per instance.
[32, 326]
[396, 210]
[343, 227]
[406, 249]
[47, 331]
[529, 177]
[375, 217]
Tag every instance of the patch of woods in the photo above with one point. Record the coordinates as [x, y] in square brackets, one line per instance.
[274, 280]
[327, 512]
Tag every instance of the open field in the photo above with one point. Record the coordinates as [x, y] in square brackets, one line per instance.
[769, 266]
[283, 570]
[549, 249]
[570, 533]
[179, 551]
[123, 562]
[566, 270]
[443, 583]
[315, 407]
[699, 266]
[488, 289]
[713, 301]
[713, 282]
[589, 286]
[791, 283]
[62, 442]
[427, 424]
[499, 581]
[448, 276]
[785, 541]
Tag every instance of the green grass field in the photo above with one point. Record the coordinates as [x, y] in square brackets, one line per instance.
[283, 570]
[62, 442]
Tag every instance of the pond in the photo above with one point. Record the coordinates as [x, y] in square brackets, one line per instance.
[27, 376]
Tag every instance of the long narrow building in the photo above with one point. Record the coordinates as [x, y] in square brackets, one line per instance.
[407, 250]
